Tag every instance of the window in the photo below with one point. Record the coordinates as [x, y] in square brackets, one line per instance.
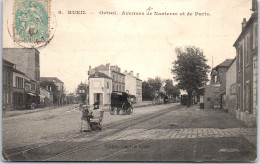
[238, 97]
[123, 88]
[247, 53]
[247, 97]
[114, 77]
[33, 87]
[256, 36]
[240, 58]
[18, 82]
[116, 87]
[107, 85]
[113, 87]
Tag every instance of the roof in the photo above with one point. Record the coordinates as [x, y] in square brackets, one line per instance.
[225, 63]
[17, 71]
[53, 79]
[7, 63]
[101, 67]
[232, 61]
[99, 75]
[118, 72]
[254, 17]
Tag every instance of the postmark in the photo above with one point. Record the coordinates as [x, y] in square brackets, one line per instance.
[31, 21]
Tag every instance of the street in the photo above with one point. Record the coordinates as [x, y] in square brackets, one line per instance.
[166, 132]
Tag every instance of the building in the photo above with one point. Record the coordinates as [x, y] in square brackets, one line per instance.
[246, 54]
[100, 88]
[19, 91]
[231, 88]
[114, 72]
[59, 97]
[27, 61]
[7, 85]
[214, 94]
[133, 85]
[124, 82]
[19, 96]
[218, 76]
[56, 81]
[46, 96]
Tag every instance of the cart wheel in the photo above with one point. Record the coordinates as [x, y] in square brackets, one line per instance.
[111, 110]
[117, 110]
[129, 111]
[123, 110]
[94, 126]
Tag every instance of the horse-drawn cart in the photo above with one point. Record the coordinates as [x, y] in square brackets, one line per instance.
[120, 101]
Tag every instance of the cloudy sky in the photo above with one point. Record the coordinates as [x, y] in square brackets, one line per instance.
[141, 43]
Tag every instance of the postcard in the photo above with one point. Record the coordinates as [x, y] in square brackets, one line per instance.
[129, 80]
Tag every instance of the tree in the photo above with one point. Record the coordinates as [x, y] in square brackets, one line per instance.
[151, 88]
[146, 91]
[190, 69]
[170, 89]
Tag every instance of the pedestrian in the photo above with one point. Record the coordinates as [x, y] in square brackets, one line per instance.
[85, 119]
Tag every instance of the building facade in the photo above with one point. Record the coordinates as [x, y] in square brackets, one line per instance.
[7, 85]
[114, 72]
[231, 88]
[246, 54]
[123, 82]
[100, 88]
[59, 97]
[218, 77]
[133, 85]
[26, 60]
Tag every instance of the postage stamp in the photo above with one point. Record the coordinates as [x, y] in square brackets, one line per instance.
[31, 21]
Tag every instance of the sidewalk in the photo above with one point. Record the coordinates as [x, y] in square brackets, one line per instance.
[27, 111]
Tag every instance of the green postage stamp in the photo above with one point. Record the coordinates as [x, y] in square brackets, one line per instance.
[31, 21]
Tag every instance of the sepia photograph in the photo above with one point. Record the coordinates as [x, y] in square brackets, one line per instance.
[129, 80]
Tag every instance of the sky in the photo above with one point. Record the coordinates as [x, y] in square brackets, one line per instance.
[144, 44]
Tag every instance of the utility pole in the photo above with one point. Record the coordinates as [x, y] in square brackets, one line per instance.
[212, 62]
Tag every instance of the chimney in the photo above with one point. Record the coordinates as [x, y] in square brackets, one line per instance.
[89, 70]
[107, 65]
[131, 73]
[243, 23]
[119, 70]
[125, 72]
[254, 6]
[137, 75]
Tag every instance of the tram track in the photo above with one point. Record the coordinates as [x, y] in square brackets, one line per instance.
[126, 123]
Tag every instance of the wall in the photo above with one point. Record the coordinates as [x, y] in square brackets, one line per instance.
[130, 84]
[7, 89]
[245, 48]
[209, 96]
[231, 97]
[139, 90]
[99, 85]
